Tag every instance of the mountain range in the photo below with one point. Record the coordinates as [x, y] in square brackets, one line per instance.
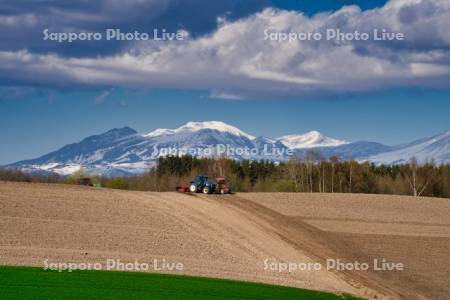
[124, 151]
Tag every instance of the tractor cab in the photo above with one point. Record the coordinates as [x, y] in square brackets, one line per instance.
[201, 183]
[200, 179]
[86, 181]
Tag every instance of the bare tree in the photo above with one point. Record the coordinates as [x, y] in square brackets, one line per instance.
[310, 161]
[294, 171]
[333, 160]
[418, 178]
[323, 190]
[350, 175]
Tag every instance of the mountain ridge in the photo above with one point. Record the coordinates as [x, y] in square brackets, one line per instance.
[124, 151]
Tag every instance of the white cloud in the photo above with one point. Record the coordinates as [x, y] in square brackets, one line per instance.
[236, 58]
[224, 95]
[23, 20]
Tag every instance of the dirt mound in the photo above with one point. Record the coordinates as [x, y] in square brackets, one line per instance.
[226, 236]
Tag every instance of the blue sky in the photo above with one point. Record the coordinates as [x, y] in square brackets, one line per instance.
[53, 93]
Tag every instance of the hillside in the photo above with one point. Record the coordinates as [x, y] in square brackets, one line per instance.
[231, 236]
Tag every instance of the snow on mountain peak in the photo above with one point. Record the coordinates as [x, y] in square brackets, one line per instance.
[309, 140]
[196, 126]
[159, 132]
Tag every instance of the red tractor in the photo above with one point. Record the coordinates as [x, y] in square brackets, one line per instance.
[222, 186]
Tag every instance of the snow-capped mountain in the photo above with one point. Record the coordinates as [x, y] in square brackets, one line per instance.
[124, 151]
[110, 153]
[435, 148]
[309, 140]
[191, 127]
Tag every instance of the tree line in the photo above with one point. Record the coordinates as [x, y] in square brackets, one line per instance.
[310, 174]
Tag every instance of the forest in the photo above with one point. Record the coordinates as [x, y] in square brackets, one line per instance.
[310, 174]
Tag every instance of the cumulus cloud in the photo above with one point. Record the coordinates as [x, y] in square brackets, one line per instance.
[22, 22]
[236, 58]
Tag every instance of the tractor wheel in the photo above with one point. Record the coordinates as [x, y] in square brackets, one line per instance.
[206, 190]
[193, 188]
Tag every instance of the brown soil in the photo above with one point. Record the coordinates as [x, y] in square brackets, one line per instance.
[231, 236]
[413, 231]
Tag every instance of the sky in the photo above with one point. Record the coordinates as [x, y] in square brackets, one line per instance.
[392, 92]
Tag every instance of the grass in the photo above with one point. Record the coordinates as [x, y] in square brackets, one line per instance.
[36, 283]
